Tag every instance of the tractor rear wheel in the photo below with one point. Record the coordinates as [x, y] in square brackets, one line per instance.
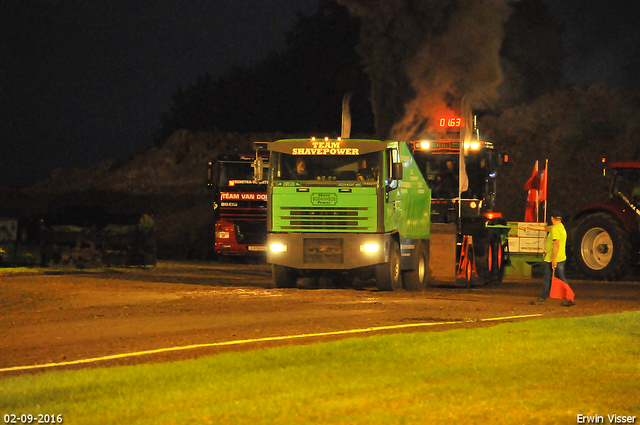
[602, 248]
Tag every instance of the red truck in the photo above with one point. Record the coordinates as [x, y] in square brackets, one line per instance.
[239, 202]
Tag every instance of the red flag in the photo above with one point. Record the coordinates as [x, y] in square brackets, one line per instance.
[542, 194]
[534, 181]
[561, 290]
[530, 212]
[532, 185]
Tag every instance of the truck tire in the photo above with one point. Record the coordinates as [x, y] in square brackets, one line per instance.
[417, 278]
[388, 275]
[601, 248]
[284, 277]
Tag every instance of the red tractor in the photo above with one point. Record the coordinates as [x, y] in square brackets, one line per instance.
[606, 235]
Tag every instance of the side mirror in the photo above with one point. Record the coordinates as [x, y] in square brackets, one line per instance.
[397, 171]
[258, 164]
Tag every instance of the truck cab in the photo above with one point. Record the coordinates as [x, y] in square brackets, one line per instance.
[347, 206]
[239, 202]
[440, 162]
[481, 252]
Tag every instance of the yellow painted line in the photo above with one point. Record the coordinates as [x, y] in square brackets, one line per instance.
[253, 340]
[510, 317]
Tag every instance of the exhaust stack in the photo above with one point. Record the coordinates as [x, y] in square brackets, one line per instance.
[346, 116]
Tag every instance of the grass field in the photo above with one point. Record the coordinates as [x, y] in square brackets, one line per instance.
[531, 372]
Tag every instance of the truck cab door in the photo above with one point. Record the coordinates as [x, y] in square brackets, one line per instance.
[393, 200]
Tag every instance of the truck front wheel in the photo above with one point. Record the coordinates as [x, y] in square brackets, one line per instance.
[417, 278]
[388, 276]
[284, 277]
[601, 248]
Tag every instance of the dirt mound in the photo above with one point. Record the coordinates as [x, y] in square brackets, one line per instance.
[168, 183]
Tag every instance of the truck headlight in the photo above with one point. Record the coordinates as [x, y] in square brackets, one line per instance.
[223, 235]
[369, 247]
[278, 247]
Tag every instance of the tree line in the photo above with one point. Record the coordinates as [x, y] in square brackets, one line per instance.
[300, 90]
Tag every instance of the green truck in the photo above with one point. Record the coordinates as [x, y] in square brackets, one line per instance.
[347, 208]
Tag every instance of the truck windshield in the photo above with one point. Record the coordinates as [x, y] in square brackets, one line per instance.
[441, 170]
[354, 168]
[232, 173]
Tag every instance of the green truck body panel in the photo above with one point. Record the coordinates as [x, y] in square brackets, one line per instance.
[415, 201]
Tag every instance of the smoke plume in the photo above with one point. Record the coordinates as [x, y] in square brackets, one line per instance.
[423, 56]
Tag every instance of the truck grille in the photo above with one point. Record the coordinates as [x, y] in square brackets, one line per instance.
[324, 218]
[244, 211]
[250, 220]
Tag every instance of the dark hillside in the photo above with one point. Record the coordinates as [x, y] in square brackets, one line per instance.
[167, 183]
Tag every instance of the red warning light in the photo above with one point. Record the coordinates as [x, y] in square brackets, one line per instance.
[450, 122]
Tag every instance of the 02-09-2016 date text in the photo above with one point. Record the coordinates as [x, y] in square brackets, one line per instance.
[41, 418]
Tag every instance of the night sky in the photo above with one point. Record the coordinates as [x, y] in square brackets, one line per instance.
[83, 81]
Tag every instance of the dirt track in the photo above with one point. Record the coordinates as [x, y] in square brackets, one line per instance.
[62, 318]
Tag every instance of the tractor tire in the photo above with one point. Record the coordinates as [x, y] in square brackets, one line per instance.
[284, 277]
[495, 261]
[417, 278]
[502, 259]
[388, 275]
[602, 248]
[490, 266]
